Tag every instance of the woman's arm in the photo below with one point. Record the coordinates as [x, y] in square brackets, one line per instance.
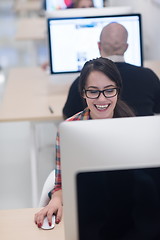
[55, 204]
[53, 207]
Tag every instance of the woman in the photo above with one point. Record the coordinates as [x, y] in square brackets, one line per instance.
[100, 85]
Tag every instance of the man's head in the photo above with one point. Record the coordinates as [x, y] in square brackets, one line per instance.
[113, 40]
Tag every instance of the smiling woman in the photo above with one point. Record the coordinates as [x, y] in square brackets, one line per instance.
[100, 105]
[102, 76]
[100, 85]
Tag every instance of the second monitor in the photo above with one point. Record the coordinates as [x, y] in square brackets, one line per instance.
[73, 40]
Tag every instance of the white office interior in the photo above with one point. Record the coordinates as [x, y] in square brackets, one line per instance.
[15, 169]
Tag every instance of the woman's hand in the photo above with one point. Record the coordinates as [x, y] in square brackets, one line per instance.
[53, 207]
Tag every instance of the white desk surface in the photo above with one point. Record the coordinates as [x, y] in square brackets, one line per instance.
[34, 28]
[19, 225]
[27, 5]
[29, 93]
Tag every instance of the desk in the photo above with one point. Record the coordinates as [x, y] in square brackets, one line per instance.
[34, 28]
[26, 6]
[19, 225]
[28, 95]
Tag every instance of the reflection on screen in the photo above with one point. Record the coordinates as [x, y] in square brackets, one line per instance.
[119, 204]
[73, 41]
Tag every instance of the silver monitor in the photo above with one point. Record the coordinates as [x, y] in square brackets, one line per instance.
[92, 148]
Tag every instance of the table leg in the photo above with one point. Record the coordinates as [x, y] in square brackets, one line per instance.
[34, 174]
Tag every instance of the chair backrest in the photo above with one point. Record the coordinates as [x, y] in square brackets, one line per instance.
[47, 187]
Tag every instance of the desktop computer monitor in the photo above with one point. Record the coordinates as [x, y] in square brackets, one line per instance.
[51, 5]
[73, 40]
[111, 178]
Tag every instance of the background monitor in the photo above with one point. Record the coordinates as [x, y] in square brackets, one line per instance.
[114, 149]
[73, 40]
[51, 5]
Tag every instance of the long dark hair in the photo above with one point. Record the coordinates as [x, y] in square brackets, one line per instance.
[108, 68]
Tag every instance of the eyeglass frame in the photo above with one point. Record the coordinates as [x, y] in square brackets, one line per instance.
[101, 91]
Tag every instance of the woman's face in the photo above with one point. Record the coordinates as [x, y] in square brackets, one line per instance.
[101, 107]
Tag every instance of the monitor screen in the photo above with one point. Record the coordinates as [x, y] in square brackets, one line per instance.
[119, 204]
[51, 5]
[126, 152]
[73, 40]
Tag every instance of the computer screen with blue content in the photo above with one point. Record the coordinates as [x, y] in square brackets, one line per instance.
[73, 40]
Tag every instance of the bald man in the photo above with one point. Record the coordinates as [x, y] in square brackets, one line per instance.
[113, 40]
[141, 86]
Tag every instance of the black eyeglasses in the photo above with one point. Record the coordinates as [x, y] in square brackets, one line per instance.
[108, 93]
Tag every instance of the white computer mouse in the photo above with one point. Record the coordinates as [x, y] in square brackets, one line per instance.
[45, 224]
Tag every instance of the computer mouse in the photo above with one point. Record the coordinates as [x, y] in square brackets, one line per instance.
[45, 224]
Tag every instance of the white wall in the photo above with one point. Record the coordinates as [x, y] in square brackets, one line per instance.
[150, 24]
[15, 165]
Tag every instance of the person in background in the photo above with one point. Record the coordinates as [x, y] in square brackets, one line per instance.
[83, 4]
[74, 4]
[141, 86]
[100, 85]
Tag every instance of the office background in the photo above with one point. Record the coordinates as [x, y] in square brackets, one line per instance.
[15, 176]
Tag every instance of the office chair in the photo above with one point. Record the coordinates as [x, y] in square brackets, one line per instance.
[47, 187]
